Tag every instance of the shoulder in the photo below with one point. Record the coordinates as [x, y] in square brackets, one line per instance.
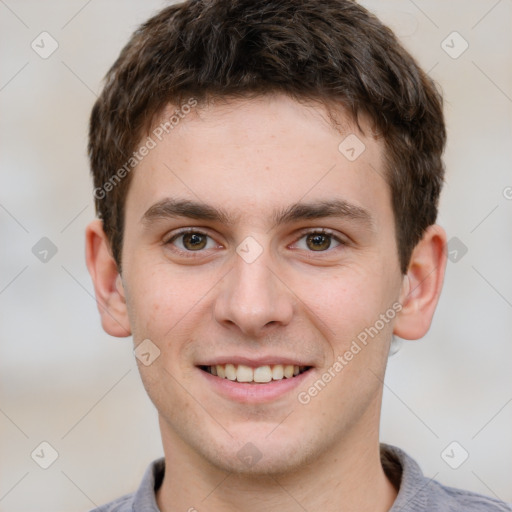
[122, 504]
[418, 493]
[144, 498]
[458, 500]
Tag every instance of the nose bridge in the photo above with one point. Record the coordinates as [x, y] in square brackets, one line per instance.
[252, 297]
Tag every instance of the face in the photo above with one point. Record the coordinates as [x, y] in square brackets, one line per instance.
[254, 248]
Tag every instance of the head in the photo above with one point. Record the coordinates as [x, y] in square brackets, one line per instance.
[267, 177]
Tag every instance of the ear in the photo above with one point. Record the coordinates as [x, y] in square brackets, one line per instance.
[108, 285]
[422, 285]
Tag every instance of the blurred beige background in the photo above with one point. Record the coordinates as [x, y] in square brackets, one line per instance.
[65, 382]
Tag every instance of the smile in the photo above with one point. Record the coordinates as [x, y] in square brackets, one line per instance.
[258, 375]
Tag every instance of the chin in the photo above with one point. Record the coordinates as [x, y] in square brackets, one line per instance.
[260, 457]
[273, 465]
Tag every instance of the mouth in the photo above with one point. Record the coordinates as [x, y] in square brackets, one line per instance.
[255, 375]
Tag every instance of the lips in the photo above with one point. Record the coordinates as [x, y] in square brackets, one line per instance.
[254, 380]
[254, 374]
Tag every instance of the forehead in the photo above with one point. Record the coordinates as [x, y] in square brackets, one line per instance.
[253, 156]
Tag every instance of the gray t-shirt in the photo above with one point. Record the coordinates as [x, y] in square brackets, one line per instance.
[417, 493]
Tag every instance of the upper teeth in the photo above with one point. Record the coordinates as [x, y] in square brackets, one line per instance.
[266, 373]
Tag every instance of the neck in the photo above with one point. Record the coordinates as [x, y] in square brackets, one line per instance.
[348, 477]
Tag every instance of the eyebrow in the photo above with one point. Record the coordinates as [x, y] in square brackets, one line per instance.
[171, 208]
[321, 209]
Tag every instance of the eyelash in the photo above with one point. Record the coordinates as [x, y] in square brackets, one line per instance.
[303, 233]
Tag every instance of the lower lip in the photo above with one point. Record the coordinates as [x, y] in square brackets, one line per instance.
[254, 392]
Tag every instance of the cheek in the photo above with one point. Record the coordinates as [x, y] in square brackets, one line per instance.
[168, 307]
[350, 298]
[156, 303]
[347, 307]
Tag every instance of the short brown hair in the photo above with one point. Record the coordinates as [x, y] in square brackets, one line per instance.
[332, 51]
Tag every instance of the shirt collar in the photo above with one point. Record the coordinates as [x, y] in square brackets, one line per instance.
[145, 497]
[407, 477]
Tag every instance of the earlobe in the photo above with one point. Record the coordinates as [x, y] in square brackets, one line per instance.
[422, 285]
[108, 286]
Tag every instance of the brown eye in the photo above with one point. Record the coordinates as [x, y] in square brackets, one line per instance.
[194, 241]
[318, 241]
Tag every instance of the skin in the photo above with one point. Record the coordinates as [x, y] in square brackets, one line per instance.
[252, 158]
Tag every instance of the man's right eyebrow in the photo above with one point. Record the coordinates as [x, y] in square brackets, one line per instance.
[171, 208]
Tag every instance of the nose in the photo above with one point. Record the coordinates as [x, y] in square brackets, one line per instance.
[253, 298]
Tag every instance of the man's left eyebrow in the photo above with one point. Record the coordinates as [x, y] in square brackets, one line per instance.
[322, 209]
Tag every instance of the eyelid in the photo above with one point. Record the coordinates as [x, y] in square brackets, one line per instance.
[322, 231]
[169, 239]
[183, 231]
